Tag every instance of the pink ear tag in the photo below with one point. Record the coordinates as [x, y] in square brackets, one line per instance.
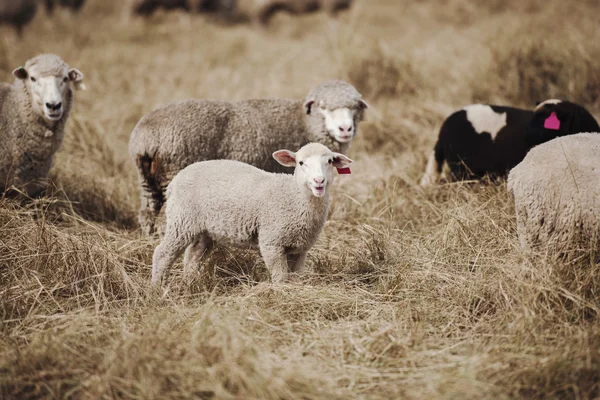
[344, 171]
[552, 122]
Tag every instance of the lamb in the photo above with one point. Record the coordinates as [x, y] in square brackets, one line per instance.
[73, 5]
[261, 11]
[227, 200]
[557, 193]
[17, 13]
[33, 113]
[148, 7]
[485, 139]
[174, 136]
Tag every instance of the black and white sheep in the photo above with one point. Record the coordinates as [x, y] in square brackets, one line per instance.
[486, 139]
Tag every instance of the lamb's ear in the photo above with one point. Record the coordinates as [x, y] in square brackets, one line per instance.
[285, 157]
[20, 73]
[76, 77]
[308, 105]
[341, 161]
[363, 104]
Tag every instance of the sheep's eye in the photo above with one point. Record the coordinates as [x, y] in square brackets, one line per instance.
[323, 107]
[330, 161]
[301, 163]
[65, 79]
[33, 79]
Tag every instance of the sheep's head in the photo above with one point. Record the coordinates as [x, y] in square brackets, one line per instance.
[47, 78]
[314, 165]
[554, 118]
[339, 107]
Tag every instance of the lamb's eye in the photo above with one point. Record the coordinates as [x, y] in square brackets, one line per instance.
[330, 161]
[65, 79]
[301, 163]
[33, 79]
[323, 107]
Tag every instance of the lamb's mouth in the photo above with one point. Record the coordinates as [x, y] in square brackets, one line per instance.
[318, 190]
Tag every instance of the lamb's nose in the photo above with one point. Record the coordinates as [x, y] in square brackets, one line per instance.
[346, 128]
[54, 106]
[319, 181]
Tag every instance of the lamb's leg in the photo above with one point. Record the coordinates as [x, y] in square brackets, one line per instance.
[165, 255]
[276, 261]
[194, 254]
[296, 262]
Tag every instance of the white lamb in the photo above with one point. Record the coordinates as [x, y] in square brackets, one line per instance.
[230, 201]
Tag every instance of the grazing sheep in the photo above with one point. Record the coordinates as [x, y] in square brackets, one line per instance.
[557, 193]
[33, 113]
[482, 139]
[174, 136]
[227, 200]
[17, 13]
[148, 7]
[261, 11]
[73, 5]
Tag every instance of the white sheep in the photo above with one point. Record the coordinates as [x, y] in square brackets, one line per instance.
[174, 136]
[33, 113]
[230, 201]
[557, 192]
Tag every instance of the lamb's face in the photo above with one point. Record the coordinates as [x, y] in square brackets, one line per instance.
[48, 88]
[314, 166]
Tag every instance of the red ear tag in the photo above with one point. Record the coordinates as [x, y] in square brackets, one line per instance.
[344, 171]
[552, 122]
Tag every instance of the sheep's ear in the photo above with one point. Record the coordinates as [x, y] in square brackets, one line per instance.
[363, 104]
[341, 161]
[308, 105]
[20, 73]
[285, 157]
[76, 77]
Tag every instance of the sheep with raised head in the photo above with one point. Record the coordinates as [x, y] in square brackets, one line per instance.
[557, 193]
[261, 11]
[17, 13]
[33, 113]
[174, 136]
[225, 200]
[484, 139]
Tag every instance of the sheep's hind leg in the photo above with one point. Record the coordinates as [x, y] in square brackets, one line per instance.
[194, 254]
[276, 261]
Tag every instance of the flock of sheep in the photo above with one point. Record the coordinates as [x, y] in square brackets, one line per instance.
[19, 13]
[258, 172]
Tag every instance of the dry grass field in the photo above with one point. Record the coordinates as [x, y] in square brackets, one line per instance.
[410, 293]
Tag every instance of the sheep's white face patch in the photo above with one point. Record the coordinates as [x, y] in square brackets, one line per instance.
[339, 123]
[49, 94]
[484, 119]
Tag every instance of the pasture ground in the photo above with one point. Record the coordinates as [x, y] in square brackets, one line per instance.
[411, 293]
